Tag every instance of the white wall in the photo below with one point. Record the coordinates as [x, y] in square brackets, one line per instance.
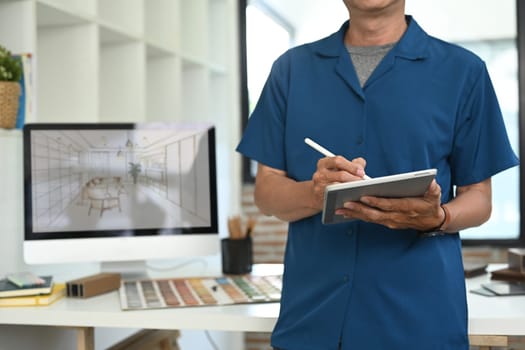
[466, 19]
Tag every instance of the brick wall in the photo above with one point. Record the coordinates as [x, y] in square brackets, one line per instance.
[257, 341]
[269, 235]
[269, 240]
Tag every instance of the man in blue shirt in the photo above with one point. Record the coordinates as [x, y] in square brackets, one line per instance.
[387, 98]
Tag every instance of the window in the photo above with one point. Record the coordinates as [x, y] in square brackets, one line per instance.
[491, 33]
[267, 36]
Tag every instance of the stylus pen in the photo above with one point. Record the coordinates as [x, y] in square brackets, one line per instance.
[324, 151]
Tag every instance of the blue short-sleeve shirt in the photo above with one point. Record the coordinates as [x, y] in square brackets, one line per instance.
[428, 104]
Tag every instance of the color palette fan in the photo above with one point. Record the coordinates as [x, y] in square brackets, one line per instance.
[199, 291]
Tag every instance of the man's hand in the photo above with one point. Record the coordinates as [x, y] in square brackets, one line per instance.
[419, 213]
[332, 170]
[278, 195]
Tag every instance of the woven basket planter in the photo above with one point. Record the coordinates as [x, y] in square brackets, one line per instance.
[9, 96]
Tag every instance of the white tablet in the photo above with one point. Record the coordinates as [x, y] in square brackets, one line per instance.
[412, 184]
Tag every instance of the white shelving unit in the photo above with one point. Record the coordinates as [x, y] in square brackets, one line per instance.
[124, 60]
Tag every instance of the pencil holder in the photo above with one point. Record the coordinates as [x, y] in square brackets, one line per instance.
[237, 256]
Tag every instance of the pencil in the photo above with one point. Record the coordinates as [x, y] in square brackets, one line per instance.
[324, 151]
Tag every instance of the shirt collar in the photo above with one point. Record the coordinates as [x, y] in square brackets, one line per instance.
[412, 45]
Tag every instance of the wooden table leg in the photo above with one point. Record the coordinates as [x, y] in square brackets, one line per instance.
[85, 338]
[149, 339]
[486, 342]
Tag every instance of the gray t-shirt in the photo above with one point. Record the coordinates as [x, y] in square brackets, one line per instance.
[366, 59]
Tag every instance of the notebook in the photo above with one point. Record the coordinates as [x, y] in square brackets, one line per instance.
[9, 289]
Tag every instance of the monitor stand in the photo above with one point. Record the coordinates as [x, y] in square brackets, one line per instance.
[129, 270]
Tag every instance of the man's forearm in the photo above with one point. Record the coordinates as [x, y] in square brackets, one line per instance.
[285, 198]
[471, 207]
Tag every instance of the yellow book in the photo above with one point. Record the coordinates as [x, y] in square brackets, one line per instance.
[58, 291]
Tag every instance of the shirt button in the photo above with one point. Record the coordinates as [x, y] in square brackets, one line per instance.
[346, 278]
[360, 140]
[350, 232]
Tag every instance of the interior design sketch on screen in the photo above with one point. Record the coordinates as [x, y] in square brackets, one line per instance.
[118, 179]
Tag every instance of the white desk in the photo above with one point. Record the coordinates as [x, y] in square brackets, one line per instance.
[495, 315]
[491, 319]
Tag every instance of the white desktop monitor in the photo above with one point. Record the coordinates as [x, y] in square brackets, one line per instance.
[119, 192]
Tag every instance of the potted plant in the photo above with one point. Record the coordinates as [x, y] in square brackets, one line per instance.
[10, 74]
[134, 171]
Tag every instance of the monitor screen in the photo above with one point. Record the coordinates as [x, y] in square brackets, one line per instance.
[119, 192]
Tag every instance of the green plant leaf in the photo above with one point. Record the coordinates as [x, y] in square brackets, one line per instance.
[10, 67]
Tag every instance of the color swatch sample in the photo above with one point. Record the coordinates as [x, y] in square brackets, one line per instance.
[199, 291]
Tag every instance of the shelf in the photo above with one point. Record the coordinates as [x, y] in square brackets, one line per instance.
[192, 62]
[163, 87]
[159, 26]
[195, 32]
[157, 50]
[52, 16]
[218, 49]
[196, 93]
[10, 133]
[122, 82]
[112, 35]
[16, 26]
[125, 14]
[67, 69]
[85, 7]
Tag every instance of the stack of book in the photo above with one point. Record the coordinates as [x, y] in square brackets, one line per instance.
[515, 272]
[25, 289]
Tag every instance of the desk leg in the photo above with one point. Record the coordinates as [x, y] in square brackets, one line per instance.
[85, 338]
[486, 342]
[149, 339]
